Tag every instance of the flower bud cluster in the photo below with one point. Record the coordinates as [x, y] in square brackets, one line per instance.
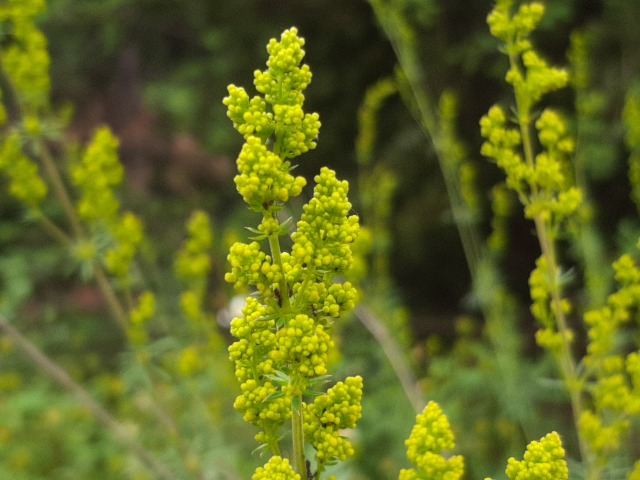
[96, 175]
[25, 185]
[304, 343]
[542, 308]
[331, 413]
[127, 235]
[543, 182]
[139, 316]
[325, 230]
[545, 186]
[277, 468]
[250, 266]
[25, 58]
[543, 460]
[616, 389]
[193, 262]
[430, 437]
[264, 179]
[514, 30]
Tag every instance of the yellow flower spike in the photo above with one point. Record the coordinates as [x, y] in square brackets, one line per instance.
[543, 460]
[277, 468]
[25, 185]
[97, 175]
[139, 316]
[283, 336]
[128, 235]
[430, 437]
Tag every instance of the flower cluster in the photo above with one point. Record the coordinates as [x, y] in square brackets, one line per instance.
[544, 186]
[96, 176]
[277, 468]
[25, 58]
[139, 316]
[264, 180]
[543, 460]
[367, 117]
[127, 235]
[543, 182]
[193, 264]
[616, 391]
[283, 335]
[326, 231]
[25, 185]
[430, 437]
[329, 415]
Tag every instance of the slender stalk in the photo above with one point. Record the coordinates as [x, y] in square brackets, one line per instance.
[396, 357]
[61, 377]
[55, 231]
[117, 310]
[297, 434]
[60, 190]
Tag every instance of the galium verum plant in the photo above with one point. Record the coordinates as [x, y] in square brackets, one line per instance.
[283, 333]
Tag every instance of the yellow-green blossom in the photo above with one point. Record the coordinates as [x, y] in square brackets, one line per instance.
[193, 261]
[25, 59]
[127, 235]
[277, 468]
[140, 316]
[97, 174]
[430, 437]
[325, 230]
[331, 413]
[543, 460]
[25, 182]
[283, 335]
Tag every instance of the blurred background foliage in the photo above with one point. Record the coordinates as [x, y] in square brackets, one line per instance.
[156, 72]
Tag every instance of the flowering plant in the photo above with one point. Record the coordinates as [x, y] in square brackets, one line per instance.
[284, 340]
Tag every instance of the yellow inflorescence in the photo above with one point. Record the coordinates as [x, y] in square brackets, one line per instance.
[330, 413]
[97, 174]
[25, 182]
[430, 438]
[277, 468]
[283, 334]
[543, 460]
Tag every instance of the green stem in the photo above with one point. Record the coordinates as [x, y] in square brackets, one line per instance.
[111, 298]
[54, 230]
[297, 434]
[60, 189]
[394, 354]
